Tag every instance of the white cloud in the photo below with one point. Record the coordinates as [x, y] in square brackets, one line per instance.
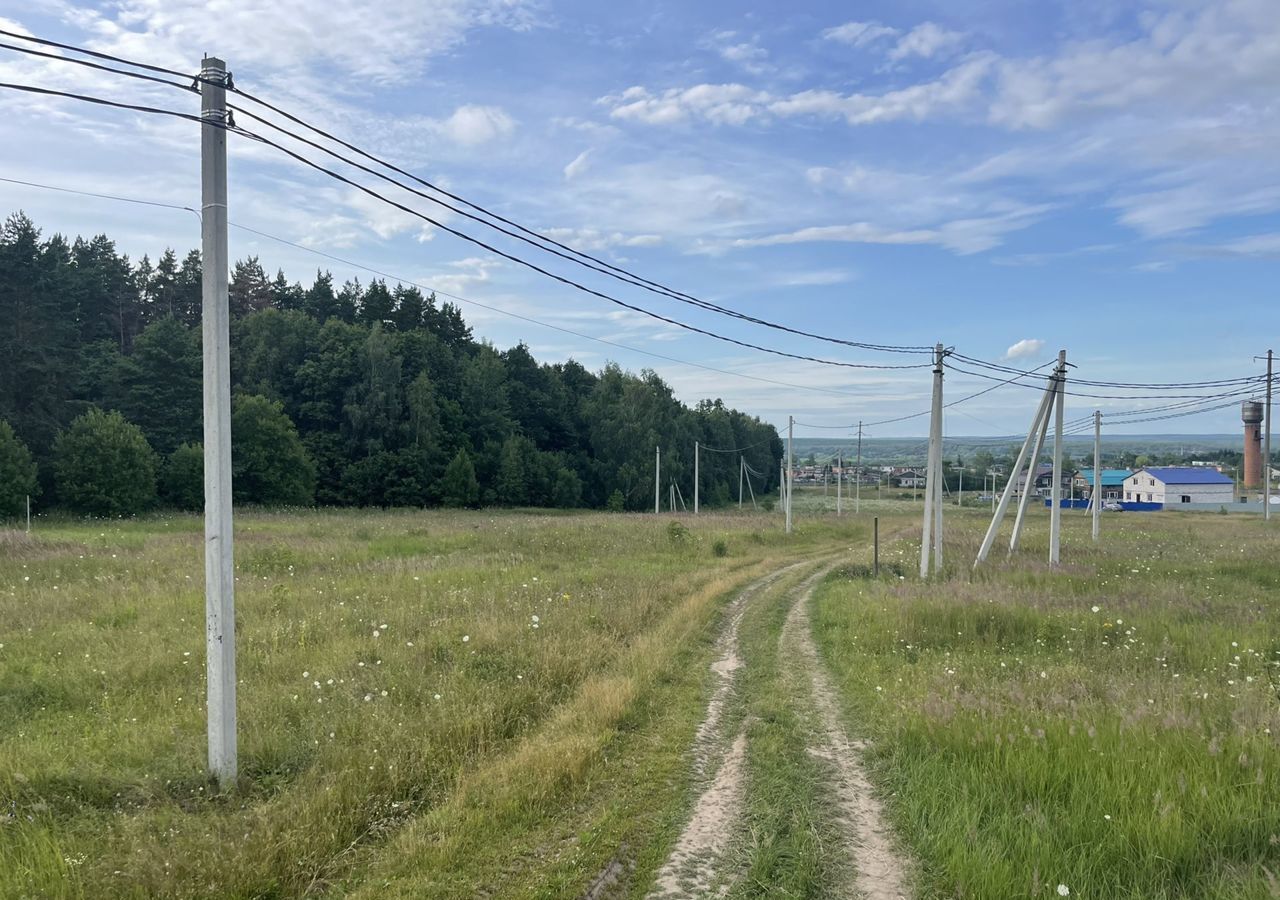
[470, 126]
[722, 104]
[387, 41]
[1027, 347]
[1263, 246]
[577, 165]
[953, 92]
[856, 233]
[463, 275]
[926, 40]
[859, 34]
[592, 239]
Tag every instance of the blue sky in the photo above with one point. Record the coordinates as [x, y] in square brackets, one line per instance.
[1089, 175]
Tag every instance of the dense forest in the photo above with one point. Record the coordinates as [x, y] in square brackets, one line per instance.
[353, 394]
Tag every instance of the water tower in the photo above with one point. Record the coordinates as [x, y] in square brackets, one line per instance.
[1251, 415]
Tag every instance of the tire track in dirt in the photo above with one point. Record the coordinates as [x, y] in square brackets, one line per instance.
[878, 870]
[697, 865]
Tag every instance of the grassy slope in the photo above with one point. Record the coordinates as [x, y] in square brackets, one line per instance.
[1026, 741]
[488, 726]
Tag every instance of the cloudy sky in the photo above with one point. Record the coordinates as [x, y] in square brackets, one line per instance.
[1009, 178]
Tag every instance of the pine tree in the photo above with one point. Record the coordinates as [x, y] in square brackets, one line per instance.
[378, 306]
[249, 290]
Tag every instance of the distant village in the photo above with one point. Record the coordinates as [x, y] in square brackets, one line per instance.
[1202, 484]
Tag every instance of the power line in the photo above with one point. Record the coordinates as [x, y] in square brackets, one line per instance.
[438, 292]
[1173, 385]
[508, 256]
[561, 278]
[925, 412]
[526, 235]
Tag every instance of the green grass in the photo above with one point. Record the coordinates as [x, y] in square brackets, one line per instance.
[431, 704]
[1112, 726]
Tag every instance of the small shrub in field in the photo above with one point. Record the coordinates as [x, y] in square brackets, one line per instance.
[720, 548]
[616, 502]
[677, 533]
[182, 483]
[17, 472]
[767, 504]
[854, 571]
[103, 465]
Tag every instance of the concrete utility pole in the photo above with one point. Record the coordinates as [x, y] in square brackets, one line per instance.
[960, 496]
[28, 513]
[1055, 514]
[219, 564]
[657, 479]
[791, 425]
[839, 478]
[931, 536]
[742, 474]
[857, 476]
[695, 478]
[1097, 474]
[1266, 448]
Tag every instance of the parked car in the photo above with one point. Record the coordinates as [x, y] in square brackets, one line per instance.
[1113, 506]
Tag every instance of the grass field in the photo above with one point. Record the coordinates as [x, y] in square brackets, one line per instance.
[1112, 727]
[420, 694]
[504, 704]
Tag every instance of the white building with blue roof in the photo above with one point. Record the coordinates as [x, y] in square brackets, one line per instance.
[1179, 486]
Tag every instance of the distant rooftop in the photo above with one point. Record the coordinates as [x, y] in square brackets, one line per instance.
[1110, 477]
[1186, 475]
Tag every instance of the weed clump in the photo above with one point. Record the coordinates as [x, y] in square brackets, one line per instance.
[720, 548]
[678, 534]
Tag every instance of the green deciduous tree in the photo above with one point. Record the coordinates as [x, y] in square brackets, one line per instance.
[161, 383]
[104, 466]
[17, 472]
[182, 481]
[269, 463]
[459, 486]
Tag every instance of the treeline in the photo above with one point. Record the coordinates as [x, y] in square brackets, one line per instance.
[368, 395]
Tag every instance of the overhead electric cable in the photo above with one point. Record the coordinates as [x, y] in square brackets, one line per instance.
[561, 278]
[528, 236]
[508, 256]
[441, 293]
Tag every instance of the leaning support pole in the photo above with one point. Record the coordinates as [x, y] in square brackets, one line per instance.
[1055, 512]
[219, 565]
[1095, 498]
[1002, 507]
[1025, 498]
